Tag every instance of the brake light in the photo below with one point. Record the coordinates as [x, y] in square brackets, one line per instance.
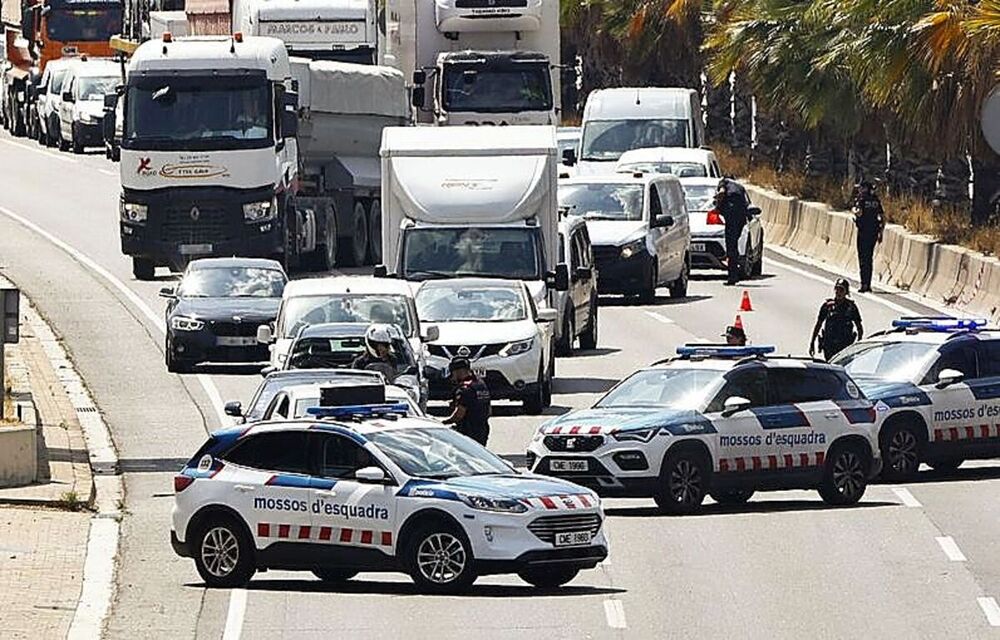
[182, 482]
[238, 36]
[168, 37]
[714, 217]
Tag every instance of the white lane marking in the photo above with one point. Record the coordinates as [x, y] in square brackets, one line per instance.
[906, 497]
[234, 618]
[614, 611]
[991, 609]
[659, 317]
[950, 548]
[57, 156]
[818, 278]
[98, 580]
[108, 172]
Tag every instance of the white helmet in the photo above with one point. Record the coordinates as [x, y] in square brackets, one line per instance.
[377, 334]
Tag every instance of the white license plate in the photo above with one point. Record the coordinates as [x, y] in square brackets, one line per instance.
[572, 538]
[568, 465]
[228, 341]
[195, 249]
[698, 246]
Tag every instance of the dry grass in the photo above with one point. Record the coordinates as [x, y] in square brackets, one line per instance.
[947, 224]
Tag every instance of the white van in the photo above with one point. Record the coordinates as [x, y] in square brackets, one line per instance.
[81, 109]
[49, 97]
[619, 120]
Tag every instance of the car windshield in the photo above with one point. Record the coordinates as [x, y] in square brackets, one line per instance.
[91, 88]
[348, 308]
[340, 353]
[457, 303]
[679, 169]
[273, 384]
[84, 22]
[894, 361]
[511, 254]
[664, 388]
[526, 87]
[304, 404]
[232, 282]
[56, 83]
[437, 453]
[602, 201]
[607, 140]
[699, 197]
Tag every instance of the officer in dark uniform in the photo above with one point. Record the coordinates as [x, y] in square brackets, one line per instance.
[838, 319]
[733, 204]
[470, 408]
[870, 220]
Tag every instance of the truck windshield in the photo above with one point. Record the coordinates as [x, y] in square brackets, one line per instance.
[602, 201]
[199, 113]
[471, 87]
[607, 140]
[81, 22]
[513, 254]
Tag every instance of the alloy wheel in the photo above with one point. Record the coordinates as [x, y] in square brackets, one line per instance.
[220, 551]
[903, 452]
[685, 482]
[441, 558]
[848, 473]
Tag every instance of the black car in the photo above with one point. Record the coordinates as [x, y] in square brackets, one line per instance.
[213, 314]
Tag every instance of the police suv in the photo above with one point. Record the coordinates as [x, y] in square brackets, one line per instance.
[722, 421]
[936, 385]
[363, 488]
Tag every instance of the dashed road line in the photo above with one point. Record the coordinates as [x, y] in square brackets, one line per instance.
[991, 609]
[57, 156]
[906, 497]
[659, 317]
[950, 548]
[234, 618]
[614, 611]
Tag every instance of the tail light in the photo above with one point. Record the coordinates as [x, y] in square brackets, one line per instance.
[182, 482]
[713, 217]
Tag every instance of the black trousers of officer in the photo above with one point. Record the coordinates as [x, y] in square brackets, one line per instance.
[478, 433]
[867, 239]
[733, 233]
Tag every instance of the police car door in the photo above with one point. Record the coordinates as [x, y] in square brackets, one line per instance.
[348, 512]
[740, 438]
[986, 388]
[954, 407]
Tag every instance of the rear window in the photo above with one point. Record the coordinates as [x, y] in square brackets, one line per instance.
[284, 451]
[793, 386]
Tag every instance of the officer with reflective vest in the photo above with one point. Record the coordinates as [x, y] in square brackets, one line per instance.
[839, 321]
[470, 406]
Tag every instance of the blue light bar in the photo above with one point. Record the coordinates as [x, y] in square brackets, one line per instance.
[939, 323]
[722, 351]
[360, 410]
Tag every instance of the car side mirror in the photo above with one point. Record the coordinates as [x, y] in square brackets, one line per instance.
[268, 370]
[168, 292]
[569, 157]
[289, 122]
[663, 220]
[753, 211]
[734, 405]
[234, 409]
[264, 334]
[381, 271]
[558, 279]
[948, 377]
[584, 273]
[430, 333]
[371, 475]
[548, 315]
[418, 96]
[67, 96]
[419, 78]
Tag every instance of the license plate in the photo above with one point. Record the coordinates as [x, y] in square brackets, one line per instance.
[228, 341]
[195, 249]
[572, 538]
[698, 246]
[568, 465]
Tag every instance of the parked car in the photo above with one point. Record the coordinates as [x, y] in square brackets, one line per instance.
[49, 98]
[708, 231]
[580, 301]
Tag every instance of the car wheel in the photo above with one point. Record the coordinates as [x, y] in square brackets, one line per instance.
[355, 250]
[143, 268]
[333, 575]
[547, 389]
[375, 232]
[547, 577]
[224, 553]
[75, 142]
[845, 476]
[534, 395]
[683, 483]
[439, 559]
[63, 144]
[758, 264]
[588, 339]
[901, 447]
[679, 287]
[175, 364]
[564, 346]
[945, 464]
[732, 496]
[648, 293]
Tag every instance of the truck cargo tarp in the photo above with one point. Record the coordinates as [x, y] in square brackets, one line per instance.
[196, 7]
[341, 87]
[10, 12]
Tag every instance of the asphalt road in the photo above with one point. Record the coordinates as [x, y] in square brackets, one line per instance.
[783, 566]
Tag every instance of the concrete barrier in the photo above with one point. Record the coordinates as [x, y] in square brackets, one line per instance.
[18, 455]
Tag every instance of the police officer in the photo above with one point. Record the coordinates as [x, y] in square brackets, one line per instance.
[870, 220]
[838, 319]
[735, 336]
[733, 204]
[470, 407]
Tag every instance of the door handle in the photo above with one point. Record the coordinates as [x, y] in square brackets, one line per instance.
[245, 488]
[830, 416]
[325, 493]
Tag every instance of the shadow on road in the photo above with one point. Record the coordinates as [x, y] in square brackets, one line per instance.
[221, 369]
[969, 474]
[764, 506]
[366, 587]
[594, 353]
[583, 385]
[659, 301]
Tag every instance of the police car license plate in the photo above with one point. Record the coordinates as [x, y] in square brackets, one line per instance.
[230, 341]
[571, 538]
[195, 249]
[568, 465]
[698, 246]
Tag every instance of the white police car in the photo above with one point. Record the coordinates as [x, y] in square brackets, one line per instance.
[723, 421]
[363, 489]
[936, 385]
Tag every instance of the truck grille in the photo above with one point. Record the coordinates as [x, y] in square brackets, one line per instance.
[546, 527]
[178, 226]
[573, 443]
[604, 254]
[489, 4]
[476, 351]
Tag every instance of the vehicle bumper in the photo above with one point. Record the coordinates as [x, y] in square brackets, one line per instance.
[713, 256]
[216, 343]
[621, 275]
[604, 475]
[572, 557]
[89, 135]
[183, 549]
[170, 236]
[508, 378]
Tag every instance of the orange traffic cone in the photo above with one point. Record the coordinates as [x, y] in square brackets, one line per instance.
[739, 322]
[745, 304]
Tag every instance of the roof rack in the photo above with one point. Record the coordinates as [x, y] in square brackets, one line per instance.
[361, 411]
[939, 324]
[699, 351]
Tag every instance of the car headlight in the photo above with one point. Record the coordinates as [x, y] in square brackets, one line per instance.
[182, 323]
[259, 211]
[633, 248]
[639, 435]
[517, 348]
[496, 505]
[134, 212]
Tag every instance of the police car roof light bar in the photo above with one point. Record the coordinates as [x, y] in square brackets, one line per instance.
[723, 351]
[359, 411]
[938, 323]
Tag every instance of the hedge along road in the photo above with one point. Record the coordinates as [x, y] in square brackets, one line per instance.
[784, 564]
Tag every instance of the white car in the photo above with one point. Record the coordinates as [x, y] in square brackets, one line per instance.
[338, 299]
[708, 231]
[49, 97]
[936, 385]
[296, 401]
[364, 488]
[81, 110]
[639, 229]
[496, 325]
[722, 421]
[679, 161]
[276, 381]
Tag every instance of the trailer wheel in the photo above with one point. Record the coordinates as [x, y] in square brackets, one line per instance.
[354, 249]
[330, 239]
[375, 231]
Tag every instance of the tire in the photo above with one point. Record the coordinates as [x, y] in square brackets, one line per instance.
[355, 250]
[439, 559]
[143, 268]
[290, 258]
[564, 346]
[732, 496]
[375, 231]
[683, 483]
[548, 577]
[901, 446]
[75, 142]
[116, 153]
[534, 396]
[757, 269]
[679, 287]
[333, 575]
[63, 144]
[648, 293]
[223, 553]
[547, 389]
[945, 465]
[845, 476]
[175, 364]
[588, 339]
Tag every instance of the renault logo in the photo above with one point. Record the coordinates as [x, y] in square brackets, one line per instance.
[195, 213]
[464, 352]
